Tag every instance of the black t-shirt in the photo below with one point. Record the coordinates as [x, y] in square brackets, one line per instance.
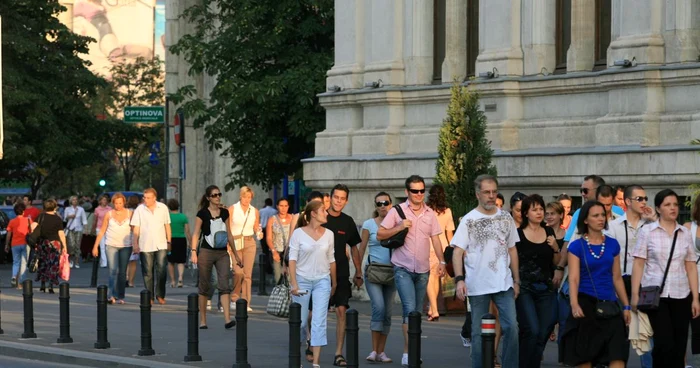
[50, 226]
[345, 232]
[206, 218]
[535, 260]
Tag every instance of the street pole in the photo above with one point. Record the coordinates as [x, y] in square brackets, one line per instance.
[2, 130]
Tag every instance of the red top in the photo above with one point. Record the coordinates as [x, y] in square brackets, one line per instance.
[18, 228]
[32, 212]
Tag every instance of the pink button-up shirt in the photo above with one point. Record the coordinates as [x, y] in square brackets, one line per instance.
[414, 255]
[654, 245]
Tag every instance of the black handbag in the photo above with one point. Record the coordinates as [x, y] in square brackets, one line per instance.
[399, 238]
[604, 309]
[34, 236]
[650, 296]
[33, 261]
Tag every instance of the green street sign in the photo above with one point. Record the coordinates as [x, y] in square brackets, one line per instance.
[144, 114]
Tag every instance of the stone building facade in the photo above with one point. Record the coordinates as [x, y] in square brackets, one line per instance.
[607, 87]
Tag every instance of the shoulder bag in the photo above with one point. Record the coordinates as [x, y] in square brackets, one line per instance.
[399, 238]
[604, 309]
[34, 236]
[33, 258]
[280, 299]
[239, 242]
[380, 273]
[650, 296]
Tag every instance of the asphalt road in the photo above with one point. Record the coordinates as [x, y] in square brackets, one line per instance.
[9, 362]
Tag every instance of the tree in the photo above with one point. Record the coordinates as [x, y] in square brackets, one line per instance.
[463, 150]
[269, 58]
[49, 129]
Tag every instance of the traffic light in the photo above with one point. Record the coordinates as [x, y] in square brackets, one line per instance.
[102, 183]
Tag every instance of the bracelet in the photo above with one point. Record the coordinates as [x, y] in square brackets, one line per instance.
[559, 268]
[459, 278]
[626, 307]
[443, 263]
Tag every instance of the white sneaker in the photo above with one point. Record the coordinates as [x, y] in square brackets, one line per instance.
[466, 342]
[233, 306]
[71, 264]
[77, 265]
[208, 304]
[250, 309]
[372, 357]
[382, 358]
[404, 360]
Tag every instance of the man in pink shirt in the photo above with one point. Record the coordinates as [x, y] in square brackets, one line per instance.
[412, 260]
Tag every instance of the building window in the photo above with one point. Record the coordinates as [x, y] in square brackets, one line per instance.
[439, 23]
[472, 36]
[603, 12]
[563, 34]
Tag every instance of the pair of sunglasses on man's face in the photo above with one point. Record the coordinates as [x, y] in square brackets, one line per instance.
[416, 191]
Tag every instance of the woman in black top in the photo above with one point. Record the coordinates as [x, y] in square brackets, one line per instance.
[51, 244]
[538, 253]
[212, 215]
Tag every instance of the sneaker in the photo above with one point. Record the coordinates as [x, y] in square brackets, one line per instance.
[382, 358]
[466, 342]
[13, 282]
[372, 357]
[71, 264]
[404, 360]
[77, 265]
[250, 309]
[208, 304]
[233, 306]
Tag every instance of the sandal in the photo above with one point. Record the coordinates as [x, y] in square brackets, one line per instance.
[339, 361]
[121, 301]
[309, 355]
[111, 300]
[179, 284]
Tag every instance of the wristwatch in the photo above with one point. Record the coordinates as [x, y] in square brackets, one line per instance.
[459, 278]
[443, 263]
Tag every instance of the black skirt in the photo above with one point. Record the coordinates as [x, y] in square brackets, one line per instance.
[589, 339]
[178, 251]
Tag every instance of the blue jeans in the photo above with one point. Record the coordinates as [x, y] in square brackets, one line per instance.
[382, 299]
[537, 313]
[646, 359]
[320, 291]
[154, 262]
[19, 262]
[505, 302]
[411, 287]
[117, 259]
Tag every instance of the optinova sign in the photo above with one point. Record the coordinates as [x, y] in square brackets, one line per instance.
[144, 114]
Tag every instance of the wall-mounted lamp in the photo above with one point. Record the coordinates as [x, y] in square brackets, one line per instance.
[626, 63]
[335, 88]
[373, 84]
[489, 75]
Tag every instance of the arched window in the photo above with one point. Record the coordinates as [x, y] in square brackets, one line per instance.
[563, 39]
[603, 12]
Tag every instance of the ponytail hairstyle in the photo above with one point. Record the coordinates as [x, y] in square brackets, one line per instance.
[305, 217]
[204, 202]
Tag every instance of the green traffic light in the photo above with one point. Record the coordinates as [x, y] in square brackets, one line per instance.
[102, 182]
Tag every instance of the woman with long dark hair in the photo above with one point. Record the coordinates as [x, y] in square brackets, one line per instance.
[211, 227]
[279, 229]
[438, 202]
[658, 242]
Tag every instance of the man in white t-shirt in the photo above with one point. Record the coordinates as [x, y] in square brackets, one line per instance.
[484, 244]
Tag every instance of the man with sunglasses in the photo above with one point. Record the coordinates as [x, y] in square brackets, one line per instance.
[412, 260]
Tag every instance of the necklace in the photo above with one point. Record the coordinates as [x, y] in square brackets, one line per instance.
[590, 250]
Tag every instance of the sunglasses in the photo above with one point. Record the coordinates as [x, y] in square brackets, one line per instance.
[584, 191]
[215, 195]
[382, 203]
[640, 199]
[416, 191]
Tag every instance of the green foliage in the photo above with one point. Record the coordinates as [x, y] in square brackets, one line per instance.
[49, 129]
[269, 58]
[464, 152]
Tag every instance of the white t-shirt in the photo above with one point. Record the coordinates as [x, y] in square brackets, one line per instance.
[314, 257]
[486, 240]
[151, 225]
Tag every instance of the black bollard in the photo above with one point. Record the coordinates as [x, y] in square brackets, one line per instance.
[414, 331]
[262, 262]
[64, 312]
[294, 335]
[352, 332]
[241, 334]
[1, 331]
[146, 342]
[488, 337]
[193, 329]
[28, 295]
[95, 267]
[102, 342]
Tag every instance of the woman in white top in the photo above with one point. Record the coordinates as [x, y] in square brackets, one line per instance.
[312, 272]
[279, 229]
[116, 231]
[244, 225]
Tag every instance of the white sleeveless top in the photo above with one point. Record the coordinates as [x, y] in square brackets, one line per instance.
[118, 234]
[238, 218]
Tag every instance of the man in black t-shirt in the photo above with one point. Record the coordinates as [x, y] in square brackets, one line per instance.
[345, 231]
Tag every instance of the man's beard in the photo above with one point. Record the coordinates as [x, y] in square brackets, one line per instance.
[488, 206]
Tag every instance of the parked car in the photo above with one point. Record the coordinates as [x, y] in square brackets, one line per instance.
[7, 213]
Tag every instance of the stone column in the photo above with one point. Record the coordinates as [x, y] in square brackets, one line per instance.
[637, 31]
[455, 63]
[539, 36]
[384, 41]
[683, 46]
[418, 54]
[581, 54]
[499, 37]
[349, 38]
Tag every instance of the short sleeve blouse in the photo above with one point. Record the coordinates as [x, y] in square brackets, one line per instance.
[206, 218]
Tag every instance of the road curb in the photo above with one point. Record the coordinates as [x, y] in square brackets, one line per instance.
[75, 357]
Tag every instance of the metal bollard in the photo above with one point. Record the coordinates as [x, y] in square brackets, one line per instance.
[193, 329]
[146, 336]
[488, 337]
[241, 334]
[102, 342]
[1, 331]
[414, 331]
[95, 268]
[28, 295]
[352, 328]
[64, 312]
[294, 335]
[262, 262]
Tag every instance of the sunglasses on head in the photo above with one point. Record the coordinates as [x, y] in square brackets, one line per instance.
[640, 199]
[215, 195]
[382, 203]
[416, 191]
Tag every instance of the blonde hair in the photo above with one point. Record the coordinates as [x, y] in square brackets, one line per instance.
[119, 195]
[556, 206]
[245, 190]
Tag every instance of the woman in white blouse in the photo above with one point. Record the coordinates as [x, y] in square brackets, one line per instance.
[244, 226]
[312, 272]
